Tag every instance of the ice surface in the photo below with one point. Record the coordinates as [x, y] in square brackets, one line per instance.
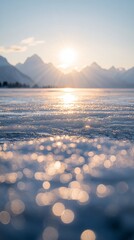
[32, 113]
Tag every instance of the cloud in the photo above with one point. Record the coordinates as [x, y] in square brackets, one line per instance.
[22, 46]
[13, 48]
[17, 48]
[27, 41]
[31, 41]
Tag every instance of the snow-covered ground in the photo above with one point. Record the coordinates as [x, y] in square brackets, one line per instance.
[67, 165]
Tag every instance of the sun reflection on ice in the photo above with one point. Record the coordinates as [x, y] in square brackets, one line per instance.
[68, 97]
[68, 90]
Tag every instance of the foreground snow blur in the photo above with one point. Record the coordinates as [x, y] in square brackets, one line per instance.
[67, 187]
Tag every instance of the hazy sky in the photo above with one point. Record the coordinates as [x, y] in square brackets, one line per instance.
[98, 30]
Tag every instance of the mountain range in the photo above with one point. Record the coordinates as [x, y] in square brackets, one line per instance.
[10, 74]
[35, 72]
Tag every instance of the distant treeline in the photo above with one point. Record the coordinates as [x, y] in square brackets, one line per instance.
[13, 85]
[6, 84]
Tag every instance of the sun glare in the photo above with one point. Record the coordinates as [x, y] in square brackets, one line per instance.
[69, 99]
[67, 57]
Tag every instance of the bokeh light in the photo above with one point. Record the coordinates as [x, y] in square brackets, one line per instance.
[58, 209]
[50, 233]
[67, 216]
[88, 235]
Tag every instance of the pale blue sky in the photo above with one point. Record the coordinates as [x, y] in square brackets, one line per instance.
[98, 30]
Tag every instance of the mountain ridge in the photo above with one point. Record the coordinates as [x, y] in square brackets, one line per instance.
[46, 74]
[11, 75]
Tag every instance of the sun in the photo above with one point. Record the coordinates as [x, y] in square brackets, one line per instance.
[67, 57]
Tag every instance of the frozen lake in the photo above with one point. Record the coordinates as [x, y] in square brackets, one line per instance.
[67, 164]
[35, 113]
